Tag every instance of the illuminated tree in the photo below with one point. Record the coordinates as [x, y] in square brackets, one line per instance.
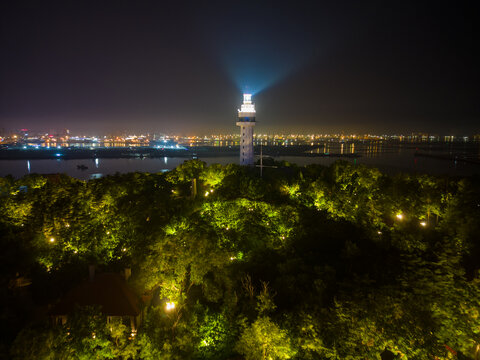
[264, 340]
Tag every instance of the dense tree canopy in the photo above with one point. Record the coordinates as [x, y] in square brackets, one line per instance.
[339, 262]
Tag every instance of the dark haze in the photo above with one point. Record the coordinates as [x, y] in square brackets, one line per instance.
[106, 67]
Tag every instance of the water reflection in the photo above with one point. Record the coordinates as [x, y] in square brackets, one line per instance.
[390, 159]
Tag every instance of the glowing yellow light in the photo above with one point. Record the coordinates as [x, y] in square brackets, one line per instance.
[423, 223]
[52, 239]
[67, 225]
[108, 232]
[399, 216]
[169, 306]
[124, 249]
[207, 193]
[379, 232]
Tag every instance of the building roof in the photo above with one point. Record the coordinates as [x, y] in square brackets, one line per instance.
[108, 290]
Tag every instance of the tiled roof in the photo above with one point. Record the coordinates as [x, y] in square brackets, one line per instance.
[107, 290]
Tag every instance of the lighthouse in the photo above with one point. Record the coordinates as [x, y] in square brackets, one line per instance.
[246, 121]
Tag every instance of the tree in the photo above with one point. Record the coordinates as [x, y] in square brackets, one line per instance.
[264, 340]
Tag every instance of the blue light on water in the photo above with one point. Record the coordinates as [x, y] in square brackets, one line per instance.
[58, 154]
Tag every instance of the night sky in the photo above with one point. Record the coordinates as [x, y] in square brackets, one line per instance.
[105, 67]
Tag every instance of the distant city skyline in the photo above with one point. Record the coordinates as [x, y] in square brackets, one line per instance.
[230, 130]
[67, 134]
[351, 67]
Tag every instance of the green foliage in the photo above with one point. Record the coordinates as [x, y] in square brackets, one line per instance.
[41, 342]
[185, 257]
[187, 171]
[246, 225]
[306, 263]
[265, 340]
[216, 336]
[85, 336]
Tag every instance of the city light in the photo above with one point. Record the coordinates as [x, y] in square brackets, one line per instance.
[34, 141]
[52, 239]
[399, 216]
[169, 306]
[423, 223]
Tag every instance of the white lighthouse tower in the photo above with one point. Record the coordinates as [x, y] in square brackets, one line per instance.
[246, 121]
